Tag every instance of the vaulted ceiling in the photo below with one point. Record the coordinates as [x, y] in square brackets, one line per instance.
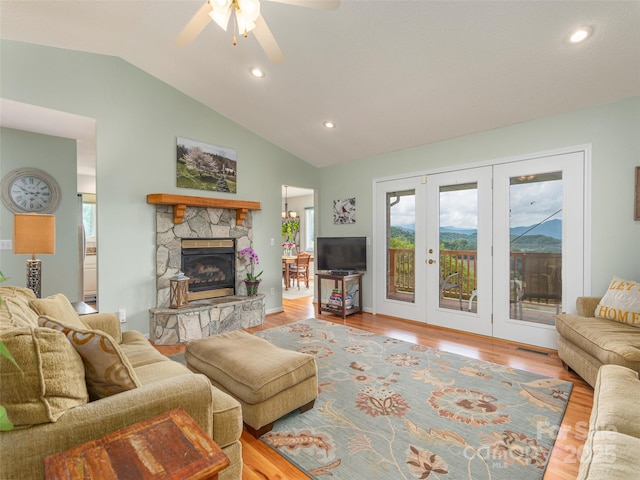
[390, 74]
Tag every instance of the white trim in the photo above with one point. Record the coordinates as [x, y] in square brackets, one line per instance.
[584, 149]
[489, 163]
[587, 201]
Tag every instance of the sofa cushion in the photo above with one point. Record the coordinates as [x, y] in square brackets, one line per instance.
[621, 302]
[59, 308]
[609, 342]
[139, 351]
[50, 379]
[615, 402]
[15, 310]
[609, 456]
[107, 369]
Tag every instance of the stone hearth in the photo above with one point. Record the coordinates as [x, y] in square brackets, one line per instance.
[202, 318]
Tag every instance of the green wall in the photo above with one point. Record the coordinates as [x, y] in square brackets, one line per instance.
[138, 119]
[57, 157]
[613, 132]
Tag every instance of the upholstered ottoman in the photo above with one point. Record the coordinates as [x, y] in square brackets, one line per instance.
[268, 381]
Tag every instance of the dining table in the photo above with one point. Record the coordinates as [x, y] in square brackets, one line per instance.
[290, 260]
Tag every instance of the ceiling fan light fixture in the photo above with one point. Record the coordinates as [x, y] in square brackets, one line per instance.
[329, 124]
[247, 12]
[220, 13]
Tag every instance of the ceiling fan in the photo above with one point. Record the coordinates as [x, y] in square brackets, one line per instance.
[247, 18]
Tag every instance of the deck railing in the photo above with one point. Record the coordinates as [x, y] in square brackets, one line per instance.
[401, 268]
[402, 265]
[539, 273]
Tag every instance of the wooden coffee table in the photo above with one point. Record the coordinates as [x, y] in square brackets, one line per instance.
[169, 446]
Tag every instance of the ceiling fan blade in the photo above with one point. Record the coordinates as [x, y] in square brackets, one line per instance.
[319, 4]
[197, 23]
[267, 41]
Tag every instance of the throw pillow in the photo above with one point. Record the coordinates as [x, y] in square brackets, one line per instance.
[58, 307]
[107, 369]
[621, 302]
[50, 379]
[14, 309]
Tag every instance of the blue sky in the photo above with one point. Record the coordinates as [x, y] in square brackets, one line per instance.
[530, 203]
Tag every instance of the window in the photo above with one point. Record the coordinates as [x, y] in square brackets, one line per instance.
[89, 217]
[309, 230]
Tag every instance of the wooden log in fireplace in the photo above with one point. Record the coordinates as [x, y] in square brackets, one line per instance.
[181, 202]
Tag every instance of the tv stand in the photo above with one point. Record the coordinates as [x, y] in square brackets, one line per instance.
[340, 282]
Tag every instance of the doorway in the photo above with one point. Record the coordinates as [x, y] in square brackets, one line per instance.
[495, 250]
[88, 248]
[298, 236]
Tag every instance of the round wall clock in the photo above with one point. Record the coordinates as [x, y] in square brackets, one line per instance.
[29, 190]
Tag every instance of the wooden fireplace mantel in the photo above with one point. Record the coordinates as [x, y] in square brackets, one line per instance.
[181, 202]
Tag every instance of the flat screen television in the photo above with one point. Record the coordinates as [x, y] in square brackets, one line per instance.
[341, 253]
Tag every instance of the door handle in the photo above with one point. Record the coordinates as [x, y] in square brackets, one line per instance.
[431, 261]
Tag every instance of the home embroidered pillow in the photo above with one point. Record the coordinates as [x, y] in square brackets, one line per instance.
[59, 308]
[621, 302]
[107, 369]
[49, 380]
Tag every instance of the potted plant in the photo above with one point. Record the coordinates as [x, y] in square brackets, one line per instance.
[290, 227]
[252, 281]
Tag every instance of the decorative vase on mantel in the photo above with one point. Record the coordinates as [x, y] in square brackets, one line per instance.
[252, 287]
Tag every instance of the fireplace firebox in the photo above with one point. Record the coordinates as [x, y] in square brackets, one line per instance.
[210, 266]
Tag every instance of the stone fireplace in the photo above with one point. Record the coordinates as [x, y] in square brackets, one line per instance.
[203, 243]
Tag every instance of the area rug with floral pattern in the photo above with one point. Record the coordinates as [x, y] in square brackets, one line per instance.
[390, 409]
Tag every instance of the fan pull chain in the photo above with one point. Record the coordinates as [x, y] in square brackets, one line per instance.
[235, 27]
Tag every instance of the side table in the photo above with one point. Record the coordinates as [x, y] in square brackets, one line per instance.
[340, 282]
[82, 308]
[169, 446]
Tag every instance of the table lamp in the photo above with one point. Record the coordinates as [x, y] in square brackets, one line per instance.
[32, 234]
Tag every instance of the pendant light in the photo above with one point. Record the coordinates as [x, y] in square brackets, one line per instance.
[286, 213]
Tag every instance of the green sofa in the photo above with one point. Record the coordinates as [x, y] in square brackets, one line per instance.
[52, 405]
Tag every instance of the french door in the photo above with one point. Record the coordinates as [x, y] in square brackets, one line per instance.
[539, 248]
[458, 222]
[496, 250]
[400, 270]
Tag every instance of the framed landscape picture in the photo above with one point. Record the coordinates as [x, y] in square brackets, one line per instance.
[205, 167]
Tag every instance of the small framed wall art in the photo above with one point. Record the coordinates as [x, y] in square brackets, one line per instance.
[206, 167]
[636, 209]
[344, 211]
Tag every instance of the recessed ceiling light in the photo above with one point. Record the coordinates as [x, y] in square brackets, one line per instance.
[329, 124]
[257, 72]
[581, 34]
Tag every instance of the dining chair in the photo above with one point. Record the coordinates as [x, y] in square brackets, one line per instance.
[300, 269]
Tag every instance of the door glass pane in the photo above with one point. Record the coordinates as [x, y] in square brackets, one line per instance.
[458, 246]
[401, 224]
[535, 224]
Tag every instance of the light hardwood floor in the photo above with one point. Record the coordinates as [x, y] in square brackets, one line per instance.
[262, 463]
